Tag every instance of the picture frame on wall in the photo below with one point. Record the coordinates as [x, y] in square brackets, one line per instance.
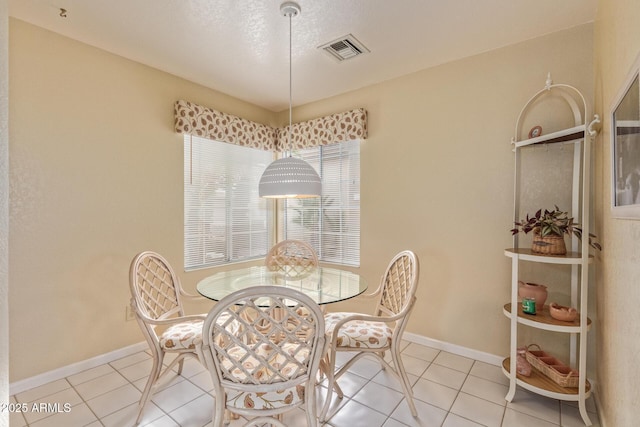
[625, 148]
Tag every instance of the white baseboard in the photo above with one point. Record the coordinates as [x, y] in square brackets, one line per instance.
[74, 368]
[491, 359]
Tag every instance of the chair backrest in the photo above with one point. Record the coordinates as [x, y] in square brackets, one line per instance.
[154, 287]
[263, 339]
[292, 258]
[399, 284]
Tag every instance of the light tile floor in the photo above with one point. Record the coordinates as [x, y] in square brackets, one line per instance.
[449, 391]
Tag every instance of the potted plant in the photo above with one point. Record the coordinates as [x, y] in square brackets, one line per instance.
[549, 228]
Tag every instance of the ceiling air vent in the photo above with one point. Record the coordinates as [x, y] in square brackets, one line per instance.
[346, 47]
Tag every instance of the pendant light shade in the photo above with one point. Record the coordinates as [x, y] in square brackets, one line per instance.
[289, 177]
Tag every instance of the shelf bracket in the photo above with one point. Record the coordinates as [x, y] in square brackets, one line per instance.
[549, 82]
[595, 121]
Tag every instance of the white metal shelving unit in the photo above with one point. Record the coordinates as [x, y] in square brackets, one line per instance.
[580, 136]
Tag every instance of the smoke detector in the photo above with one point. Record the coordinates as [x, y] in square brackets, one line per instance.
[345, 47]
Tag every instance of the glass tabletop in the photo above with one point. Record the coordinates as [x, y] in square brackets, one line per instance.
[324, 285]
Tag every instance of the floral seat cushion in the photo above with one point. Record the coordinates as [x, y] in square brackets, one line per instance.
[265, 400]
[260, 373]
[182, 336]
[359, 333]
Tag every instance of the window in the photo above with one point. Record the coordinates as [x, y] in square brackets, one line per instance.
[331, 223]
[224, 218]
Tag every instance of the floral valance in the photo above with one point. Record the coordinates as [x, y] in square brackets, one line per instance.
[332, 129]
[205, 122]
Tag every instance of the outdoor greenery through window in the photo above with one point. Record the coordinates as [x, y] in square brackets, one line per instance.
[224, 218]
[331, 223]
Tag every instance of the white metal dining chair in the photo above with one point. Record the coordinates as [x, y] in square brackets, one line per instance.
[375, 334]
[293, 258]
[269, 365]
[157, 303]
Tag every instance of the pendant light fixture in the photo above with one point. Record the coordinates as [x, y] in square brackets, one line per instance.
[289, 177]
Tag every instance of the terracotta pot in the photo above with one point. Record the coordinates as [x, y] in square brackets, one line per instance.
[535, 291]
[548, 245]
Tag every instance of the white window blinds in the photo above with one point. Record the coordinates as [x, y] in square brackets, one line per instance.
[224, 219]
[331, 223]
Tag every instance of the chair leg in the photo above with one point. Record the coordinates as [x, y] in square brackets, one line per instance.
[328, 364]
[219, 412]
[153, 377]
[310, 405]
[404, 379]
[328, 368]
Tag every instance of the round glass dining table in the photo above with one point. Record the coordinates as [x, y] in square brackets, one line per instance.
[323, 284]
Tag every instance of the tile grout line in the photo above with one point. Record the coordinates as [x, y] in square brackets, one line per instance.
[84, 401]
[458, 391]
[368, 382]
[49, 395]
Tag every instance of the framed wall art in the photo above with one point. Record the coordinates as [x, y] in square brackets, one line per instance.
[625, 148]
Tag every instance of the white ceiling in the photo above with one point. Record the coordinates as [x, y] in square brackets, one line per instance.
[241, 47]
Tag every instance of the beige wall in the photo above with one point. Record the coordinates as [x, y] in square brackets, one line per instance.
[96, 175]
[4, 210]
[437, 177]
[617, 44]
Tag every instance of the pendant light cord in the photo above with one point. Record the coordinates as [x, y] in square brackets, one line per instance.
[290, 84]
